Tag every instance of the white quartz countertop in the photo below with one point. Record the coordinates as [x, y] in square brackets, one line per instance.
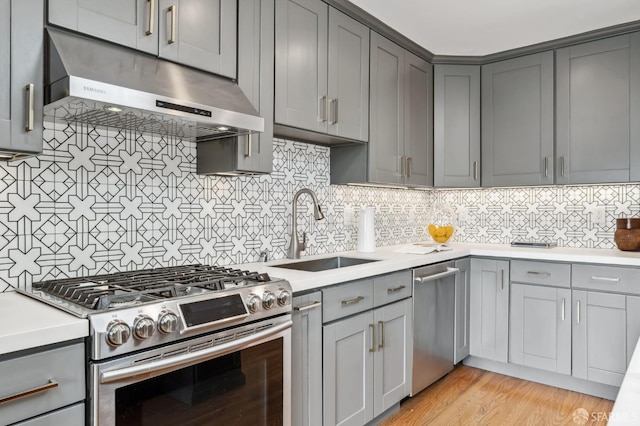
[28, 323]
[391, 260]
[626, 410]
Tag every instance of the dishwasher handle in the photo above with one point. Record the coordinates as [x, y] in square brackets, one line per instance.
[427, 278]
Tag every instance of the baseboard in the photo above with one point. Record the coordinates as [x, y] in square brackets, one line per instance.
[383, 416]
[544, 377]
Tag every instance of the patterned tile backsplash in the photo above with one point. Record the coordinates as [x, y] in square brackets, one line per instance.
[100, 201]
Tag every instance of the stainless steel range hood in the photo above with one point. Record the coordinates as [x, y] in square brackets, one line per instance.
[101, 84]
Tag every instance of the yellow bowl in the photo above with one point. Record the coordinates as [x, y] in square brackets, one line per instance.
[440, 234]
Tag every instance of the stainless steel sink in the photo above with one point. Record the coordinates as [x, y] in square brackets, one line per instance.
[325, 264]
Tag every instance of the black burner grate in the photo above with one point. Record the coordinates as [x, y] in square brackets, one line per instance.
[112, 291]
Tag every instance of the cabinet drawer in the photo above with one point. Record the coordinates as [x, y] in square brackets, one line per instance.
[542, 273]
[391, 287]
[607, 278]
[63, 366]
[70, 416]
[347, 299]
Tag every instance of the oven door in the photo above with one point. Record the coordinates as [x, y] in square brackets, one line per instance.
[234, 377]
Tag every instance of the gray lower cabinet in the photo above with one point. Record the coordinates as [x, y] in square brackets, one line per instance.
[517, 121]
[462, 310]
[322, 70]
[254, 153]
[597, 105]
[21, 77]
[306, 360]
[489, 309]
[198, 33]
[129, 23]
[43, 382]
[540, 327]
[456, 126]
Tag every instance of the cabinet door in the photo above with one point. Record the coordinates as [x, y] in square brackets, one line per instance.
[418, 121]
[540, 327]
[386, 140]
[301, 64]
[130, 23]
[392, 357]
[26, 94]
[599, 337]
[633, 325]
[462, 306]
[306, 359]
[598, 102]
[255, 78]
[348, 78]
[517, 121]
[348, 347]
[456, 127]
[489, 309]
[200, 33]
[5, 72]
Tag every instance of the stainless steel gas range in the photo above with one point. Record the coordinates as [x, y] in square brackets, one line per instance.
[183, 345]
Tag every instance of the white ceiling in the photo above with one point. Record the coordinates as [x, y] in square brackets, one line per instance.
[482, 27]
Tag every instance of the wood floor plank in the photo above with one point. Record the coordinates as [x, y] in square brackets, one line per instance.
[470, 396]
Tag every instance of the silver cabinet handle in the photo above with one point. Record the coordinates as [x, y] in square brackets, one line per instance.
[409, 166]
[29, 88]
[172, 34]
[578, 312]
[502, 279]
[381, 325]
[546, 166]
[449, 271]
[562, 166]
[402, 166]
[353, 301]
[608, 279]
[307, 307]
[544, 274]
[372, 329]
[152, 7]
[247, 150]
[49, 385]
[333, 110]
[397, 288]
[324, 106]
[475, 170]
[563, 312]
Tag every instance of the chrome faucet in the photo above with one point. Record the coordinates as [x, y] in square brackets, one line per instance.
[296, 246]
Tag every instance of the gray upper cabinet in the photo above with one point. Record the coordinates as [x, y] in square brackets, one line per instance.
[21, 76]
[322, 70]
[306, 358]
[598, 105]
[130, 23]
[462, 310]
[517, 121]
[200, 33]
[456, 127]
[489, 310]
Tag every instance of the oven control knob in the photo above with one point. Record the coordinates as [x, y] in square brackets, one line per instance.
[284, 297]
[143, 327]
[168, 322]
[118, 333]
[253, 303]
[268, 300]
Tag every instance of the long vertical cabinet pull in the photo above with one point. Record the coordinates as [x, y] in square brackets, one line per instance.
[546, 166]
[172, 34]
[29, 90]
[578, 312]
[409, 166]
[562, 166]
[247, 151]
[372, 329]
[475, 170]
[563, 311]
[333, 111]
[381, 325]
[324, 107]
[502, 279]
[403, 166]
[152, 8]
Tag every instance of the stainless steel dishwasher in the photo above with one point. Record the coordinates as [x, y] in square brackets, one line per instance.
[433, 320]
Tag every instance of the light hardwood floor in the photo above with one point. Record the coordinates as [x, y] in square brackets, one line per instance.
[469, 396]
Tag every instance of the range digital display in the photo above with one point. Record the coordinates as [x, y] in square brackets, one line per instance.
[212, 310]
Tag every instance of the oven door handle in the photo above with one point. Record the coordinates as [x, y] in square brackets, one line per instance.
[190, 357]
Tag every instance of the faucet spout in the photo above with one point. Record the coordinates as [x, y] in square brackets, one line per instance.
[296, 247]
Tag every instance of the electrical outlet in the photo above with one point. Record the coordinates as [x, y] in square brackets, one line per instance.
[599, 216]
[349, 214]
